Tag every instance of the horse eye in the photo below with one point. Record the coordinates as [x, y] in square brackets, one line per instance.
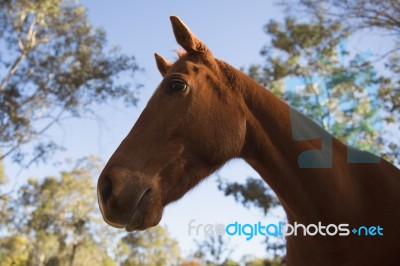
[178, 85]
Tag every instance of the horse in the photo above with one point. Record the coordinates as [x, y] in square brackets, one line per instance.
[205, 113]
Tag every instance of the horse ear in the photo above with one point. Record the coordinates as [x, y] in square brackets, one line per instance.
[186, 38]
[163, 64]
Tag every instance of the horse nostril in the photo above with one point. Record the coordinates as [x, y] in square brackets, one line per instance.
[107, 190]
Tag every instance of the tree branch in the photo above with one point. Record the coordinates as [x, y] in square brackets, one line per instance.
[12, 71]
[36, 134]
[31, 44]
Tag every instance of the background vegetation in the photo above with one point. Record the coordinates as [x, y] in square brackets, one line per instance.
[55, 65]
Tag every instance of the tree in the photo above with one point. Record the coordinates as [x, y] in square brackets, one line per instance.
[150, 247]
[389, 93]
[215, 251]
[357, 14]
[55, 222]
[253, 193]
[14, 250]
[53, 64]
[265, 262]
[380, 17]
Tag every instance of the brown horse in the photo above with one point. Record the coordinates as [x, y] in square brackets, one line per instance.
[206, 112]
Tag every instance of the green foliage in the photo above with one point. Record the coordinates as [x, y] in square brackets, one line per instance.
[253, 192]
[150, 247]
[14, 250]
[358, 14]
[215, 250]
[390, 89]
[366, 17]
[53, 65]
[54, 222]
[296, 49]
[230, 263]
[389, 92]
[266, 262]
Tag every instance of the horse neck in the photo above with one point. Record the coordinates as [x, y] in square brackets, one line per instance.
[272, 151]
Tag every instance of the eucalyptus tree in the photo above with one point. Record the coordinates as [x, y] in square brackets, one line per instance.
[53, 64]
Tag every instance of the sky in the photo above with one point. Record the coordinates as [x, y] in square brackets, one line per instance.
[233, 30]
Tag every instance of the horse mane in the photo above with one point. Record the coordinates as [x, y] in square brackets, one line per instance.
[227, 70]
[230, 73]
[181, 53]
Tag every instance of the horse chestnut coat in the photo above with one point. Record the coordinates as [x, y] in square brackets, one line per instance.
[204, 113]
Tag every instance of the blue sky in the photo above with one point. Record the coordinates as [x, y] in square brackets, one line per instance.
[233, 30]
